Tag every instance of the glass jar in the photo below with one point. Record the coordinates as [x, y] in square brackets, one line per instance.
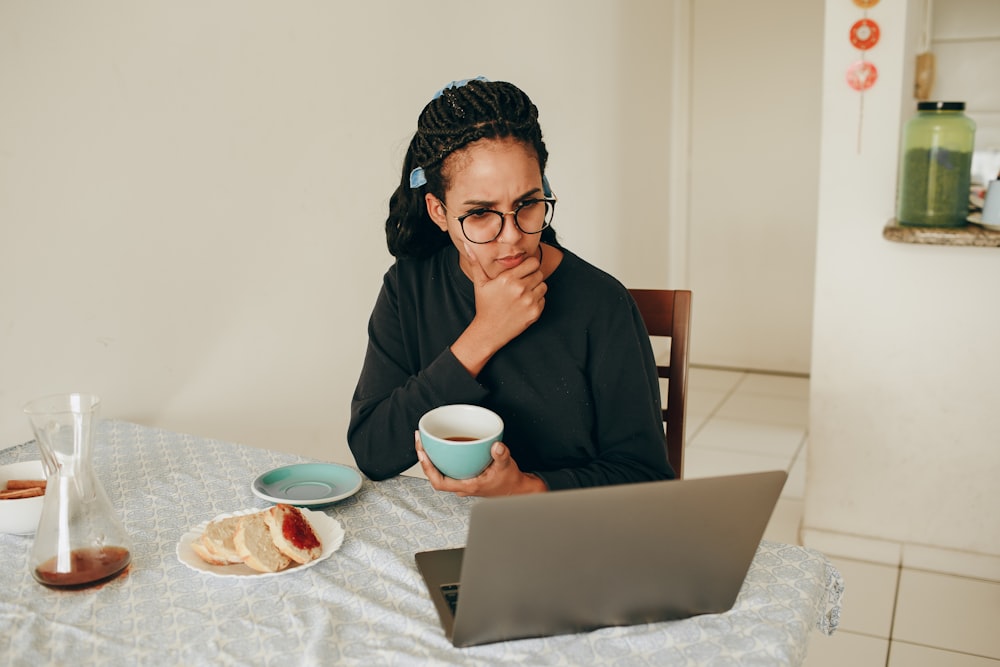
[936, 166]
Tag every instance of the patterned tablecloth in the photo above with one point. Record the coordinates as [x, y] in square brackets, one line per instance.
[365, 605]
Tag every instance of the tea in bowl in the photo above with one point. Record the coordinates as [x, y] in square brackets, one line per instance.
[458, 438]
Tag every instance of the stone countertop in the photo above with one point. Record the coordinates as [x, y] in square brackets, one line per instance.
[969, 235]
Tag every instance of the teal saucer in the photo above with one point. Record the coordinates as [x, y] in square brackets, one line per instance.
[307, 484]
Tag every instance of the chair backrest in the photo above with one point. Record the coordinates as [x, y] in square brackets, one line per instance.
[667, 313]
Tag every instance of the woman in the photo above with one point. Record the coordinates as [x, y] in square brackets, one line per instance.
[483, 306]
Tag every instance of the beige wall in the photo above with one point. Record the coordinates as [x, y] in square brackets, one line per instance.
[192, 193]
[904, 424]
[754, 162]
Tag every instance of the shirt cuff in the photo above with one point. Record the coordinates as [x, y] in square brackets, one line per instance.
[558, 480]
[451, 383]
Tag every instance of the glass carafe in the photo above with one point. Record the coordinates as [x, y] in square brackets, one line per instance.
[79, 542]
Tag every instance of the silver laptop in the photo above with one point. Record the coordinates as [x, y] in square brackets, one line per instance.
[576, 560]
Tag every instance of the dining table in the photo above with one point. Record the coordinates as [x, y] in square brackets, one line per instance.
[365, 604]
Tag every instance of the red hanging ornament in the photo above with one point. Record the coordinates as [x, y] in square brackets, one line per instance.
[861, 75]
[864, 34]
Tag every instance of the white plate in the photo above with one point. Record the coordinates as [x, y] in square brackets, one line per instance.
[328, 529]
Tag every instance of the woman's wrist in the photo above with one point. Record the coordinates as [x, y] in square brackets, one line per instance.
[472, 352]
[532, 483]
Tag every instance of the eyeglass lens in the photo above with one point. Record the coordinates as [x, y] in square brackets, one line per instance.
[484, 225]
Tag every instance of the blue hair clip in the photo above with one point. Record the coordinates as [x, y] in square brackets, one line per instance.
[458, 84]
[546, 188]
[417, 178]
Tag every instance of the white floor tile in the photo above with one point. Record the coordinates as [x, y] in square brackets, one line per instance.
[948, 612]
[795, 485]
[711, 378]
[951, 561]
[869, 596]
[775, 385]
[785, 521]
[902, 654]
[704, 401]
[750, 437]
[846, 649]
[767, 409]
[855, 547]
[704, 462]
[693, 425]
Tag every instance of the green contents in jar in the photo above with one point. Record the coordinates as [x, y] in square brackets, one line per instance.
[934, 191]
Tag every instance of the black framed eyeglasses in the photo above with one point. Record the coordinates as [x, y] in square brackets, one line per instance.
[484, 225]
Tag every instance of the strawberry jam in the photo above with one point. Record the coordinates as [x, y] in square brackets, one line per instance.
[298, 532]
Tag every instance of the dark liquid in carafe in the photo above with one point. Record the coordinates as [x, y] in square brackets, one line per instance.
[88, 567]
[460, 438]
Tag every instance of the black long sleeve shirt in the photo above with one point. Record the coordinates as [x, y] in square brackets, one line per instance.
[577, 390]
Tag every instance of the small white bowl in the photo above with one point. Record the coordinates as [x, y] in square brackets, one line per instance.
[19, 516]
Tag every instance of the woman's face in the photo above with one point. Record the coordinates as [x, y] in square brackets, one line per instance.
[495, 174]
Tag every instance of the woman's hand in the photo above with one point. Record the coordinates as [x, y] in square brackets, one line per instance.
[502, 477]
[505, 306]
[510, 302]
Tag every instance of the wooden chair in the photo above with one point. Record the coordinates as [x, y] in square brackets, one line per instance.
[668, 313]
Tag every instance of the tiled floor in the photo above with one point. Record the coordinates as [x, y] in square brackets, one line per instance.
[743, 422]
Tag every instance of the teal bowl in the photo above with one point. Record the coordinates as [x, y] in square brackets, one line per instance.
[458, 438]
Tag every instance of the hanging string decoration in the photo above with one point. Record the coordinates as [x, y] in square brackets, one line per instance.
[862, 74]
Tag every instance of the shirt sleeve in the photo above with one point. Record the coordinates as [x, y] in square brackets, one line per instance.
[629, 440]
[393, 391]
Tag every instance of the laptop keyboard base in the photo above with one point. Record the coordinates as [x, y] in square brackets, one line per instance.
[450, 592]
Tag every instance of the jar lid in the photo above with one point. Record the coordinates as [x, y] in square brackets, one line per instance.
[940, 106]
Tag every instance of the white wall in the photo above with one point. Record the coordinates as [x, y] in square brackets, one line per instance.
[192, 193]
[904, 425]
[754, 161]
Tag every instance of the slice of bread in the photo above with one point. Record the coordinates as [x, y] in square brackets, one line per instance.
[206, 555]
[256, 547]
[217, 541]
[292, 534]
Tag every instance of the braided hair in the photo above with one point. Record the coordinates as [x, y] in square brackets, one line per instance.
[454, 119]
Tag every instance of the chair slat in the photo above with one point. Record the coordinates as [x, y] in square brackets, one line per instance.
[667, 313]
